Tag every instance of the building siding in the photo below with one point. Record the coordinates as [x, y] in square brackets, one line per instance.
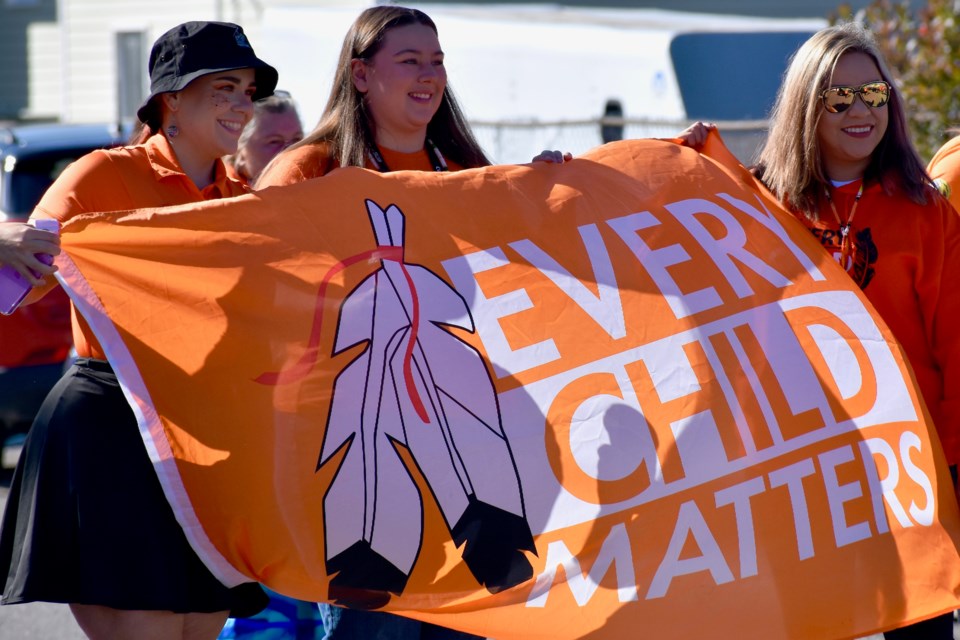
[92, 25]
[15, 22]
[45, 76]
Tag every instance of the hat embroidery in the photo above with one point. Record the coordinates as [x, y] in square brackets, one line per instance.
[241, 39]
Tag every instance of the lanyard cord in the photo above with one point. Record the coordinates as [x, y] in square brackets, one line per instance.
[436, 158]
[844, 226]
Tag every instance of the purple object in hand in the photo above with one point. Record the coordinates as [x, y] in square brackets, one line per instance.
[13, 286]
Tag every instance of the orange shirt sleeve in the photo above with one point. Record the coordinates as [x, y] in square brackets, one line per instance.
[945, 167]
[914, 291]
[937, 275]
[118, 180]
[87, 184]
[914, 250]
[296, 165]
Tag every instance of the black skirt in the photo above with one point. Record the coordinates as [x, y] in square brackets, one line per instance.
[86, 520]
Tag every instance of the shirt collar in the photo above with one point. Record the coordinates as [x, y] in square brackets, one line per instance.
[223, 185]
[163, 159]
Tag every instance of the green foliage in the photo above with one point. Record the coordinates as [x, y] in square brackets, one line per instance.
[922, 47]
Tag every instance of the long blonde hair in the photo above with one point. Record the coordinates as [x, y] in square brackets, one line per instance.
[346, 125]
[791, 165]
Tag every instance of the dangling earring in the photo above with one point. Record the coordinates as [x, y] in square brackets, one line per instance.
[172, 131]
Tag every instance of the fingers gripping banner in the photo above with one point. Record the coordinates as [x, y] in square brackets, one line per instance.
[547, 401]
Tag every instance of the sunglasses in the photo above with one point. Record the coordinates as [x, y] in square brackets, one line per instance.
[839, 99]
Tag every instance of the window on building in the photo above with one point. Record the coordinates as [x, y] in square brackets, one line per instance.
[131, 61]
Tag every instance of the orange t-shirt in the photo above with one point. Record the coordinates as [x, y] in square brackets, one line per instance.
[314, 161]
[907, 261]
[136, 177]
[945, 167]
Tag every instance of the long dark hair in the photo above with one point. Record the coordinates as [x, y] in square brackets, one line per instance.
[346, 124]
[141, 132]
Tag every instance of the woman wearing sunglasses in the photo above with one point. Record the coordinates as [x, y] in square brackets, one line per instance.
[839, 157]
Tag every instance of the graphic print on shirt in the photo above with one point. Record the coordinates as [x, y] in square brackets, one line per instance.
[860, 260]
[418, 387]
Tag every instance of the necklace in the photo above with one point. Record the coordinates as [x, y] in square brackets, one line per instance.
[845, 240]
[436, 158]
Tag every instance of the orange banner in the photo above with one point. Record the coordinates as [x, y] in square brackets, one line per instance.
[545, 401]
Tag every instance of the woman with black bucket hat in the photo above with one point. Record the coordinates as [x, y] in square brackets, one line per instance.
[87, 522]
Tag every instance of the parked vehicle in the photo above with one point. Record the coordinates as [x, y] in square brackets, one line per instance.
[35, 341]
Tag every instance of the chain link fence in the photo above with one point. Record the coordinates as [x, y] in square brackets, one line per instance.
[519, 141]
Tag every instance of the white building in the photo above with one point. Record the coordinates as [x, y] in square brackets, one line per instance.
[530, 76]
[85, 60]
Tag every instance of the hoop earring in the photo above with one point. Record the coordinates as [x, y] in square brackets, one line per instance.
[172, 131]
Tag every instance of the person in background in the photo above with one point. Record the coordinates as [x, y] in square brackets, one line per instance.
[87, 522]
[274, 127]
[390, 108]
[944, 168]
[840, 158]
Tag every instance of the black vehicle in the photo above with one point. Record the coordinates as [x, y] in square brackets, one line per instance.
[35, 341]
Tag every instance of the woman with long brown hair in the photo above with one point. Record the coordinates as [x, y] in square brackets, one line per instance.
[390, 107]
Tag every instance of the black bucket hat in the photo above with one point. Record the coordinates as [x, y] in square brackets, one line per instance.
[194, 49]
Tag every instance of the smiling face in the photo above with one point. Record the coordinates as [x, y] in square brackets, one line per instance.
[403, 85]
[848, 139]
[211, 112]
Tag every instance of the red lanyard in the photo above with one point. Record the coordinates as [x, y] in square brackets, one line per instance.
[845, 240]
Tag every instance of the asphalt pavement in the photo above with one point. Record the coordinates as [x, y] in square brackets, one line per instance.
[44, 621]
[36, 620]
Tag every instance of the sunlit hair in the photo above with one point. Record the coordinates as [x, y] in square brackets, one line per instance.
[279, 102]
[791, 164]
[141, 132]
[347, 126]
